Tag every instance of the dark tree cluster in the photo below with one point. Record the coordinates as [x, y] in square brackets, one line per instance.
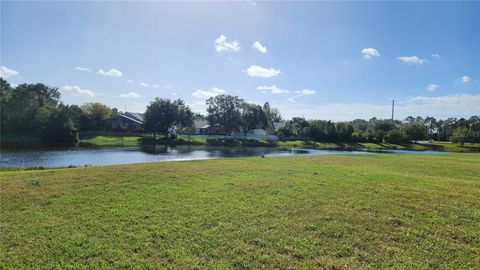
[230, 113]
[36, 109]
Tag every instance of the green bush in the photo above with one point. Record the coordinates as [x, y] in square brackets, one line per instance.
[395, 136]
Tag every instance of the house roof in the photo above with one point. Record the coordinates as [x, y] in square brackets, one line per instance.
[200, 124]
[136, 116]
[130, 118]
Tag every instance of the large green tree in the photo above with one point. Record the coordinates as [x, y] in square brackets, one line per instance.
[379, 127]
[474, 123]
[27, 106]
[252, 116]
[431, 125]
[163, 115]
[273, 114]
[225, 111]
[321, 130]
[344, 131]
[95, 114]
[414, 131]
[298, 126]
[61, 126]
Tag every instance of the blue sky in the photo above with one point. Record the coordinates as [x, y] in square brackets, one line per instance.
[321, 60]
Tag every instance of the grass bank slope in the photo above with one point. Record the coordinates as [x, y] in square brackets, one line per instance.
[109, 140]
[331, 212]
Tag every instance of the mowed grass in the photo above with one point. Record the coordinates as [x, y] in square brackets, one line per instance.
[111, 140]
[307, 212]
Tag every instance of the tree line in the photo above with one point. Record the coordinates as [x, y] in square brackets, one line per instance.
[37, 109]
[385, 130]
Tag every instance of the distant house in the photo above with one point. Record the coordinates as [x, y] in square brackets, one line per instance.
[126, 121]
[256, 132]
[203, 128]
[260, 134]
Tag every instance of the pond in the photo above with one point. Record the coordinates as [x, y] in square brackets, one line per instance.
[60, 157]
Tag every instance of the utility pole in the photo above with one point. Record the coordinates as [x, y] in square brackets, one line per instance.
[393, 107]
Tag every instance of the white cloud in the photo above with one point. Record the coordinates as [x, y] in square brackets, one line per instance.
[436, 56]
[466, 79]
[137, 107]
[208, 93]
[273, 89]
[258, 71]
[432, 87]
[303, 92]
[130, 95]
[156, 86]
[130, 81]
[369, 53]
[77, 91]
[144, 84]
[412, 60]
[257, 45]
[6, 73]
[83, 69]
[111, 73]
[221, 44]
[442, 107]
[306, 92]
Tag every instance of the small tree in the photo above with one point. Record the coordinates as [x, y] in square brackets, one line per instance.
[162, 115]
[395, 136]
[284, 132]
[461, 135]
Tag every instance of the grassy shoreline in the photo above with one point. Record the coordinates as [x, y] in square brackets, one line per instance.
[101, 141]
[24, 140]
[332, 212]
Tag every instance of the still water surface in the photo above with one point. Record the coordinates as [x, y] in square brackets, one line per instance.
[124, 155]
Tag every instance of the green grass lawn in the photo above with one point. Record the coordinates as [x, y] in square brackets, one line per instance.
[111, 140]
[326, 212]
